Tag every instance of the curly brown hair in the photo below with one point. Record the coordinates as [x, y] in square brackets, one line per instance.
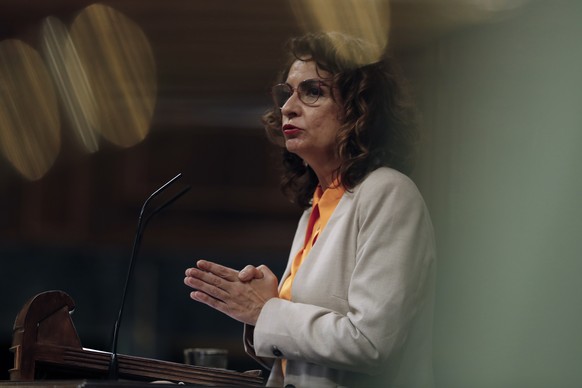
[378, 128]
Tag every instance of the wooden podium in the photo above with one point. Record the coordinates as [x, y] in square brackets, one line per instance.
[46, 346]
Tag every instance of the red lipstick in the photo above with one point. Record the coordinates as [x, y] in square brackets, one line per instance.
[290, 130]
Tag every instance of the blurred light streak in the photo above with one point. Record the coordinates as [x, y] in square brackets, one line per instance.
[366, 19]
[29, 114]
[120, 66]
[71, 81]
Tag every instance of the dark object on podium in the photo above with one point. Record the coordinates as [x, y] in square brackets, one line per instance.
[46, 346]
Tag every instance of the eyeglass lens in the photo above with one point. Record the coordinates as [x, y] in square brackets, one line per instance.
[308, 92]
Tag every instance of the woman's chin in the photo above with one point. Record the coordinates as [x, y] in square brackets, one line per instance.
[294, 146]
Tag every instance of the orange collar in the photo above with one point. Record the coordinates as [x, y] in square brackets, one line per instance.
[327, 201]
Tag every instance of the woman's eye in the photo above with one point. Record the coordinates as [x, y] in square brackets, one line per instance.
[314, 91]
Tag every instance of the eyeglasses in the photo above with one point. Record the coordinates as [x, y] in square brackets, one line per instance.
[308, 92]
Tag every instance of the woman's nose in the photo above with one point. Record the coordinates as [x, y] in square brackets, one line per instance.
[292, 106]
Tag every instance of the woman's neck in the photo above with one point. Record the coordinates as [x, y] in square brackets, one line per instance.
[325, 171]
[325, 180]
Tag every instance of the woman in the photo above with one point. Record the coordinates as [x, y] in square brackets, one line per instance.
[354, 305]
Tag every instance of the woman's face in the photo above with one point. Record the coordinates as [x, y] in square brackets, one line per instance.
[310, 129]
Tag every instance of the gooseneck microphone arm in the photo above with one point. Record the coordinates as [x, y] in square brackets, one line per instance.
[141, 224]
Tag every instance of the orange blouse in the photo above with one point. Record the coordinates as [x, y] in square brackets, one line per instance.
[324, 203]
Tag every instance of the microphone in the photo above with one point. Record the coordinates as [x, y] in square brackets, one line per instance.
[141, 224]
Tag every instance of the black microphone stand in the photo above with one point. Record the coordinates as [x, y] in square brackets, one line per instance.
[141, 224]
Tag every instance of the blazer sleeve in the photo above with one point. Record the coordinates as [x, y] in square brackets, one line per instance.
[248, 334]
[393, 249]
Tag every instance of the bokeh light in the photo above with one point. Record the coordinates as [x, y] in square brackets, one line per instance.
[365, 19]
[120, 66]
[71, 82]
[29, 114]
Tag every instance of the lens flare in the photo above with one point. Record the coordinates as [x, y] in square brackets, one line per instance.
[120, 66]
[71, 81]
[29, 114]
[368, 20]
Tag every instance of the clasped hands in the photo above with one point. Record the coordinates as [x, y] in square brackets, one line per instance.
[240, 295]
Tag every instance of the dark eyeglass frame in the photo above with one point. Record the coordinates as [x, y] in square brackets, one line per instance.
[282, 92]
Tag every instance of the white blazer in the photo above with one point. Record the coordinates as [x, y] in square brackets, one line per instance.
[360, 313]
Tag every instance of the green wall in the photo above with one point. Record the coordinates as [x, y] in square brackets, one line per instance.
[501, 171]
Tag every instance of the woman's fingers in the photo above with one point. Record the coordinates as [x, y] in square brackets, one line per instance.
[222, 289]
[202, 297]
[211, 274]
[208, 283]
[218, 270]
[249, 273]
[266, 272]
